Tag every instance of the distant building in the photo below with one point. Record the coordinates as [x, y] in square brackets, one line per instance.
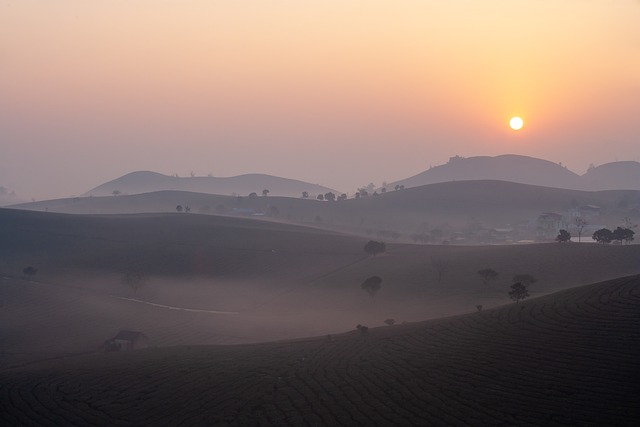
[127, 340]
[549, 224]
[587, 212]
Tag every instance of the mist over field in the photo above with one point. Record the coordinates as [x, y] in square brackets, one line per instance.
[326, 213]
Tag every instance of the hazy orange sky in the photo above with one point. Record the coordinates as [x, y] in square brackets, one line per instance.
[339, 93]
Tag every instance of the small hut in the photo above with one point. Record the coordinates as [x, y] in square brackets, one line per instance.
[127, 340]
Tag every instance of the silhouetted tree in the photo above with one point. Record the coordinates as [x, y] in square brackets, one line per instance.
[390, 322]
[253, 195]
[364, 330]
[134, 280]
[620, 234]
[305, 194]
[330, 196]
[441, 266]
[604, 235]
[479, 307]
[525, 279]
[580, 223]
[116, 192]
[320, 197]
[187, 208]
[29, 271]
[343, 196]
[563, 236]
[518, 291]
[488, 274]
[179, 208]
[265, 192]
[363, 192]
[372, 285]
[374, 248]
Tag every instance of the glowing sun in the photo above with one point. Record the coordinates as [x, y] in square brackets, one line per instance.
[516, 123]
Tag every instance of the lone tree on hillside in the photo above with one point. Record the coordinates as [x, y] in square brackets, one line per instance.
[488, 274]
[179, 208]
[441, 266]
[134, 280]
[320, 197]
[580, 223]
[604, 235]
[372, 285]
[374, 248]
[525, 279]
[518, 291]
[390, 322]
[563, 237]
[116, 192]
[305, 194]
[265, 192]
[253, 195]
[29, 271]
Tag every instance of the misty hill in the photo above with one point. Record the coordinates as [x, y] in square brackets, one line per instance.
[529, 170]
[569, 358]
[453, 206]
[620, 175]
[144, 182]
[508, 167]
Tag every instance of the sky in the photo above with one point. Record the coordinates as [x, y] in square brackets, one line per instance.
[338, 93]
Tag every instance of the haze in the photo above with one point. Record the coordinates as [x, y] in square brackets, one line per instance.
[329, 92]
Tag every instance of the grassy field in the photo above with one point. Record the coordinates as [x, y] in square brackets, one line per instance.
[278, 281]
[569, 358]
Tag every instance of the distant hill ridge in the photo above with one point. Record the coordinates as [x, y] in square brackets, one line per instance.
[147, 181]
[529, 170]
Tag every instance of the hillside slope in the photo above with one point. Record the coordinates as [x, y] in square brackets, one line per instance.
[278, 281]
[570, 358]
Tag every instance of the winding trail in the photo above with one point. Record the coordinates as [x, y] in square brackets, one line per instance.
[171, 307]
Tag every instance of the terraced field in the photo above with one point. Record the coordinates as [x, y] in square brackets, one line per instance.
[570, 358]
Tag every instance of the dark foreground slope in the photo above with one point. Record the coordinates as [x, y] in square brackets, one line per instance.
[570, 358]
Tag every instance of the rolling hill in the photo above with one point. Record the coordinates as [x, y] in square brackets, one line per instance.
[569, 358]
[455, 206]
[508, 167]
[529, 170]
[145, 182]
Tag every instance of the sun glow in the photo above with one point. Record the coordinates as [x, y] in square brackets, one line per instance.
[516, 123]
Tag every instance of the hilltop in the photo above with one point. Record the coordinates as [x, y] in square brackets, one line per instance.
[569, 358]
[621, 175]
[145, 182]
